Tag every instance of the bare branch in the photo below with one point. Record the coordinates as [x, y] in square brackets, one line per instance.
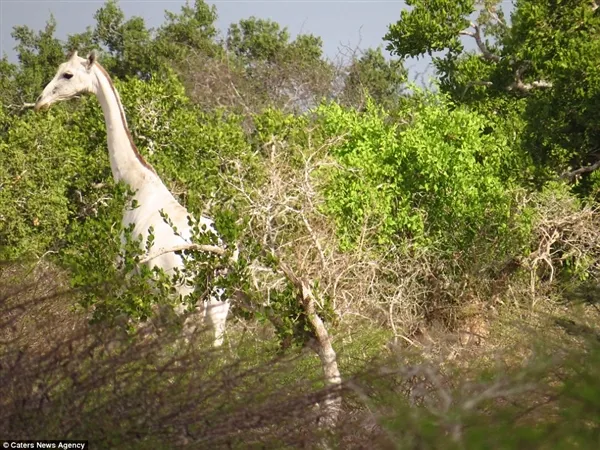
[201, 247]
[519, 85]
[494, 15]
[478, 39]
[333, 378]
[562, 230]
[20, 107]
[575, 173]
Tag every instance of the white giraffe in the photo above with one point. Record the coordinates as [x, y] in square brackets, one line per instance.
[79, 75]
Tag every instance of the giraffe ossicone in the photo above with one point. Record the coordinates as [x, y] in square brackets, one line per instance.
[85, 75]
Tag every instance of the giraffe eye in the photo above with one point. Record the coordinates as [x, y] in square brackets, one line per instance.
[68, 75]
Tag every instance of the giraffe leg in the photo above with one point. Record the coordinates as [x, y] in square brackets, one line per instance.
[216, 316]
[190, 322]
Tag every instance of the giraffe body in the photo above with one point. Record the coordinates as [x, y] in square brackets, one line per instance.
[81, 75]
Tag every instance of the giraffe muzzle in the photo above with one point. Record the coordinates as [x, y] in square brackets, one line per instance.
[40, 104]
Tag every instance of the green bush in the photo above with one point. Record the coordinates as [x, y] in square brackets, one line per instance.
[436, 179]
[443, 179]
[47, 165]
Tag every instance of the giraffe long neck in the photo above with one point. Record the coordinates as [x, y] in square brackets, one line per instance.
[126, 162]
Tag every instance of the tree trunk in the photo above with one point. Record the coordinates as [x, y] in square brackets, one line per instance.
[322, 346]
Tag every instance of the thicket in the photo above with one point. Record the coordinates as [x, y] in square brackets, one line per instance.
[401, 209]
[62, 379]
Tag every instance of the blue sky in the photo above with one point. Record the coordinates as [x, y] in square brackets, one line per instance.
[342, 25]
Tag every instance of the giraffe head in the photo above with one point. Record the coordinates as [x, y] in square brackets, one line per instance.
[72, 78]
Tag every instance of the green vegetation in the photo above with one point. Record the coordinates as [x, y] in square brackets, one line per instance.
[431, 231]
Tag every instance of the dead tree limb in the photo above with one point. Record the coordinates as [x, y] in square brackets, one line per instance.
[200, 247]
[324, 349]
[494, 15]
[480, 43]
[20, 107]
[575, 173]
[518, 84]
[525, 88]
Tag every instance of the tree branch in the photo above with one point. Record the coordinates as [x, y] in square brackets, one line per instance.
[494, 15]
[20, 107]
[324, 349]
[201, 247]
[478, 39]
[519, 85]
[574, 173]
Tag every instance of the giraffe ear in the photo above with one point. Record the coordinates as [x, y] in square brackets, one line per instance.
[91, 59]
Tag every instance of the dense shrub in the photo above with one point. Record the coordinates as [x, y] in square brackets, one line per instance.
[364, 213]
[442, 179]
